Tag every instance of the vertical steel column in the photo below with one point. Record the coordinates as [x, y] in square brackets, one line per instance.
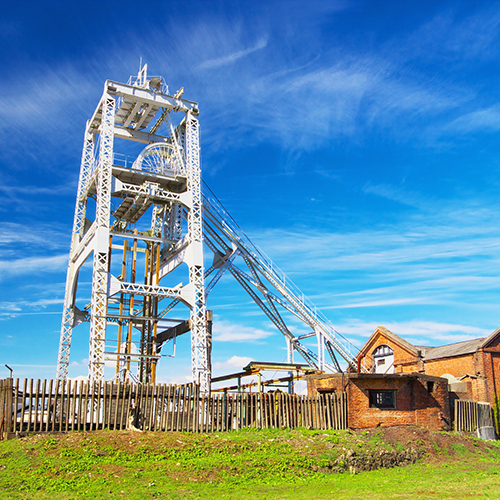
[157, 220]
[101, 256]
[199, 339]
[321, 349]
[289, 360]
[173, 222]
[78, 225]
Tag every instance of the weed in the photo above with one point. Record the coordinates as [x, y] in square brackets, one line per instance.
[459, 449]
[400, 447]
[240, 464]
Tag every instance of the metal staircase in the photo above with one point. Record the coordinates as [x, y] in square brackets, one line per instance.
[269, 287]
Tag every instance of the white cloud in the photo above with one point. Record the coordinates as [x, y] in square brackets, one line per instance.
[225, 331]
[25, 307]
[233, 57]
[376, 303]
[476, 121]
[419, 332]
[234, 363]
[33, 265]
[175, 379]
[45, 235]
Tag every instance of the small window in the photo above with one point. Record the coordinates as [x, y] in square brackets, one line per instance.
[381, 362]
[382, 399]
[430, 387]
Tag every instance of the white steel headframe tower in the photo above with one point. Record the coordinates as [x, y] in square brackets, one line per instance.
[164, 181]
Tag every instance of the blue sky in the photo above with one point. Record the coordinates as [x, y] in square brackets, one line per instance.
[356, 142]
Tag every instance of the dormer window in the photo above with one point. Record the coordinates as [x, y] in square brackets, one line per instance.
[383, 359]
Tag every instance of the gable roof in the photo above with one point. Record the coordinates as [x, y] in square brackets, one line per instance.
[428, 353]
[392, 336]
[490, 339]
[459, 348]
[451, 350]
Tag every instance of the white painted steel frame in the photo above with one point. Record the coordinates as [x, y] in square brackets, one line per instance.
[100, 268]
[78, 223]
[169, 208]
[267, 284]
[179, 154]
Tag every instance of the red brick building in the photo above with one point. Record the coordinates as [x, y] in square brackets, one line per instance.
[472, 368]
[389, 399]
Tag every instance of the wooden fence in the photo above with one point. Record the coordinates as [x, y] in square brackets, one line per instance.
[54, 405]
[470, 416]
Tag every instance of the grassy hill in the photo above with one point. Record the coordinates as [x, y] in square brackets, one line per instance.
[398, 462]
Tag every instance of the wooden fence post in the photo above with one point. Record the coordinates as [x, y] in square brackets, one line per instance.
[6, 408]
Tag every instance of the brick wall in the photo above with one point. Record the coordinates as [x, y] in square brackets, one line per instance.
[414, 403]
[402, 356]
[457, 366]
[483, 366]
[496, 376]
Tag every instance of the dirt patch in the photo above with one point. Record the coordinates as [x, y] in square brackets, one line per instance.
[438, 445]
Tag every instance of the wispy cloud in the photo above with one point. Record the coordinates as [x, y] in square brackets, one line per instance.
[394, 193]
[300, 102]
[451, 36]
[377, 303]
[44, 96]
[233, 57]
[17, 306]
[26, 307]
[482, 120]
[32, 265]
[446, 256]
[24, 191]
[45, 235]
[30, 199]
[325, 94]
[230, 332]
[418, 332]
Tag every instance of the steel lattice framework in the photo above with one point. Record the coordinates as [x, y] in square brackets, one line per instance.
[163, 181]
[156, 209]
[271, 289]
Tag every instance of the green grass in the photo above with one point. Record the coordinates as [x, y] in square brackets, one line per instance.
[244, 464]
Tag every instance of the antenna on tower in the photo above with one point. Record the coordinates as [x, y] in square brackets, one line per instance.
[142, 76]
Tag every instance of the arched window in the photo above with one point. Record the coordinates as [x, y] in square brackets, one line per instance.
[383, 359]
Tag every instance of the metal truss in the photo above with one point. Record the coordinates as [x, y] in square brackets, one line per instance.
[136, 237]
[78, 224]
[151, 217]
[99, 299]
[269, 287]
[200, 355]
[160, 292]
